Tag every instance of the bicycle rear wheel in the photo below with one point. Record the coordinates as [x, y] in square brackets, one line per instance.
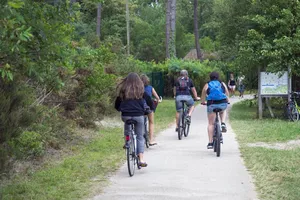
[186, 127]
[131, 157]
[218, 140]
[180, 126]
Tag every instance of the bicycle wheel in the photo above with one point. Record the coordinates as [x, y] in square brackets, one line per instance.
[186, 127]
[180, 128]
[131, 157]
[215, 139]
[292, 112]
[218, 140]
[146, 135]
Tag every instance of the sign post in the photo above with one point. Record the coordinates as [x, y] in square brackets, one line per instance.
[272, 85]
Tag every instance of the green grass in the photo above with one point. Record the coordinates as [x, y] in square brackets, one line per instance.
[276, 172]
[76, 176]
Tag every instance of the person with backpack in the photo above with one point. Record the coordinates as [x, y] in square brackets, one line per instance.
[216, 94]
[183, 88]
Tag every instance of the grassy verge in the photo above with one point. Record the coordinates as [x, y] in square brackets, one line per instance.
[77, 176]
[276, 172]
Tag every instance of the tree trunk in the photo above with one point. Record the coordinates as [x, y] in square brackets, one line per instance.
[168, 17]
[173, 30]
[99, 20]
[196, 31]
[127, 27]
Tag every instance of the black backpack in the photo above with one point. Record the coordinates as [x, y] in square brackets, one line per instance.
[183, 83]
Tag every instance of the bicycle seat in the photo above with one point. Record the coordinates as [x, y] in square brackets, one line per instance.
[217, 110]
[183, 101]
[130, 121]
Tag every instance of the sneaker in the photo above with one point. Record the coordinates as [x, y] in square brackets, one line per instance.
[188, 119]
[176, 129]
[223, 127]
[210, 146]
[126, 145]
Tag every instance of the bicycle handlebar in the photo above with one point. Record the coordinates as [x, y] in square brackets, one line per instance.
[205, 103]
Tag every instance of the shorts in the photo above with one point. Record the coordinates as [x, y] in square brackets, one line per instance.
[231, 87]
[188, 98]
[241, 88]
[221, 106]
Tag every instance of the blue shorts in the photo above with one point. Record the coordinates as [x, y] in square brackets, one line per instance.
[221, 106]
[188, 98]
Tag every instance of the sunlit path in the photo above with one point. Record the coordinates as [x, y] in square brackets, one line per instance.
[186, 169]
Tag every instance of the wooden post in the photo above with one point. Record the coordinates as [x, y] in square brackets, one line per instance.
[289, 83]
[127, 27]
[260, 109]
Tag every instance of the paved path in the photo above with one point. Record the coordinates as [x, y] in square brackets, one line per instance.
[186, 170]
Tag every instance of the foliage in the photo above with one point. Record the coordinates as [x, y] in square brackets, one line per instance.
[28, 144]
[260, 33]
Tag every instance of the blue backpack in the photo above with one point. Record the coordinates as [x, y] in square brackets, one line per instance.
[215, 91]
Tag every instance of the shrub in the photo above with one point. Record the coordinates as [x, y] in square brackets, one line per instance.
[28, 144]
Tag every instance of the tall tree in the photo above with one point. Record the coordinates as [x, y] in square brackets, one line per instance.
[173, 29]
[168, 27]
[127, 28]
[196, 30]
[98, 31]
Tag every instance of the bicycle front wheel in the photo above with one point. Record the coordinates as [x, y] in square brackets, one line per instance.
[131, 157]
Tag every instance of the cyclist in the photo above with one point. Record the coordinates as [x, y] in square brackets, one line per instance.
[241, 85]
[182, 91]
[216, 94]
[150, 92]
[132, 104]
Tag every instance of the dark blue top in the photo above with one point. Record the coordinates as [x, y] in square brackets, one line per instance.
[148, 90]
[187, 90]
[134, 107]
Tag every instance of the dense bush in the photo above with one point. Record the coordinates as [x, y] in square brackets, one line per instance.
[28, 144]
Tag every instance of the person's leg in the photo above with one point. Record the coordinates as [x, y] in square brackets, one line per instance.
[190, 103]
[177, 119]
[178, 109]
[126, 129]
[233, 90]
[151, 127]
[210, 129]
[223, 106]
[140, 141]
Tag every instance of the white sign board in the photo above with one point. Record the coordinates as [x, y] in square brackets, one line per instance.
[272, 84]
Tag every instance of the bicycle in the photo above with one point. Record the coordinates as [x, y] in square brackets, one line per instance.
[183, 126]
[131, 153]
[217, 136]
[292, 108]
[217, 133]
